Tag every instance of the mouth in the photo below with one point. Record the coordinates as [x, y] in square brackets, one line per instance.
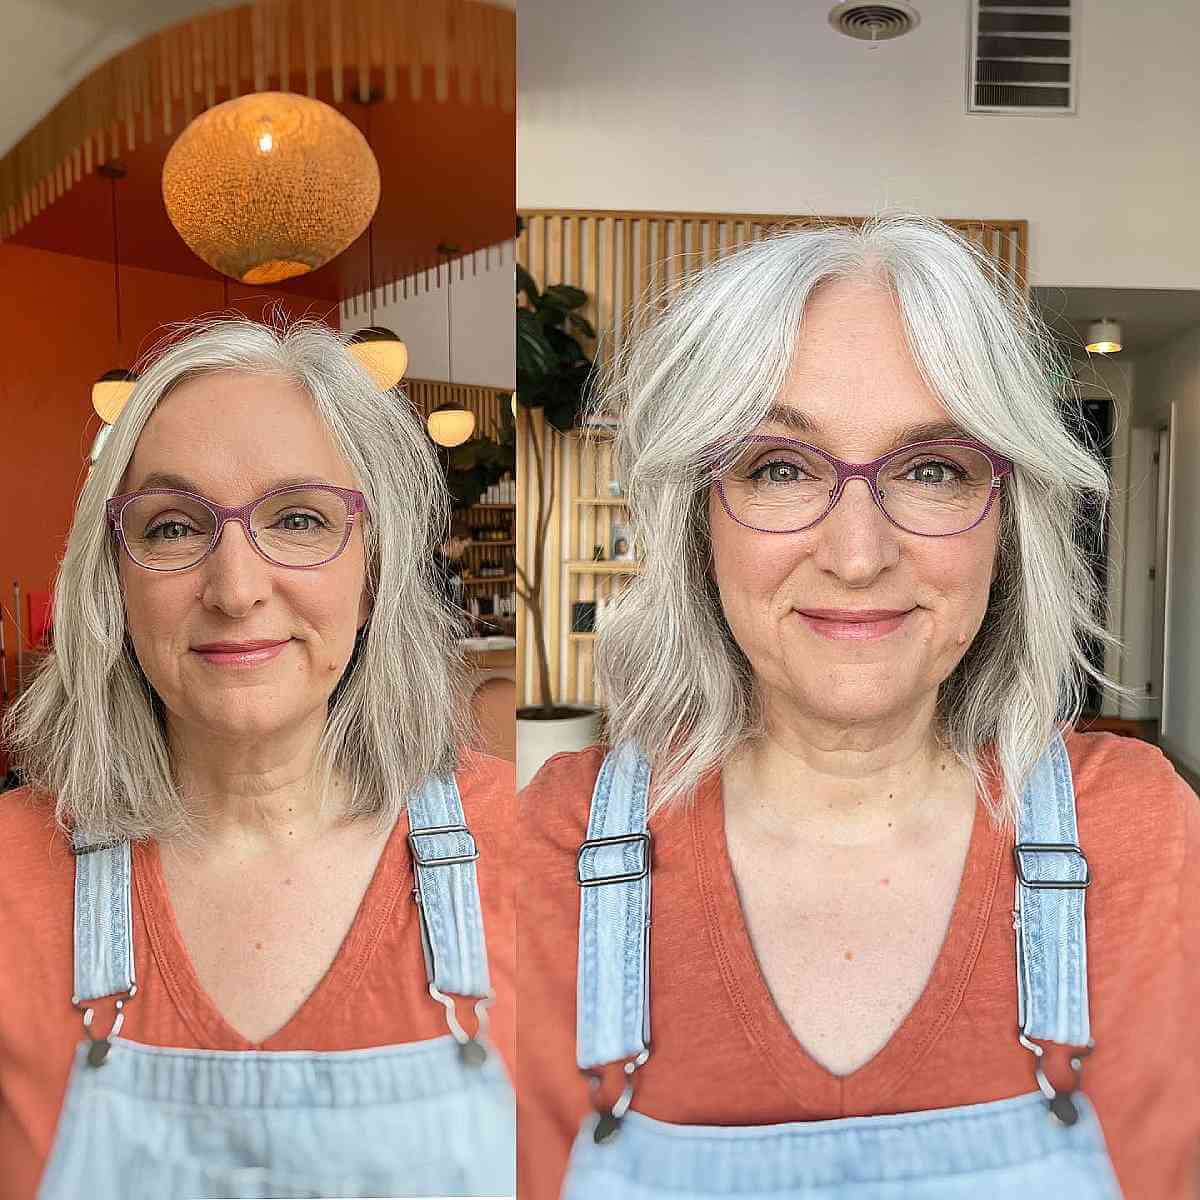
[240, 654]
[853, 625]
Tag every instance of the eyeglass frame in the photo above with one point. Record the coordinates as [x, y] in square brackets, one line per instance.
[355, 502]
[1002, 468]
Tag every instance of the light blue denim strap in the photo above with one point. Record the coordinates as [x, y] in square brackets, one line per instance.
[103, 918]
[612, 1012]
[443, 851]
[1052, 996]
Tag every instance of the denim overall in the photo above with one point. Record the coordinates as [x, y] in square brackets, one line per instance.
[429, 1118]
[1043, 1143]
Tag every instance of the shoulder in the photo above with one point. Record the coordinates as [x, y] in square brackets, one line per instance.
[36, 851]
[554, 804]
[37, 883]
[487, 787]
[1139, 820]
[1127, 778]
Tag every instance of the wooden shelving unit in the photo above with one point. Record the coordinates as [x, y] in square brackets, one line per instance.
[608, 567]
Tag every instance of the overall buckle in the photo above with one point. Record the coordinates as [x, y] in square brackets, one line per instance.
[621, 839]
[1051, 848]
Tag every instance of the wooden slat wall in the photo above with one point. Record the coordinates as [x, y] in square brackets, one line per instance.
[158, 85]
[622, 260]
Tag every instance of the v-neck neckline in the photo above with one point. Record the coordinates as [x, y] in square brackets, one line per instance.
[783, 1054]
[379, 906]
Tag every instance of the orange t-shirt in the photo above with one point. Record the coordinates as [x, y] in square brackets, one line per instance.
[722, 1053]
[373, 994]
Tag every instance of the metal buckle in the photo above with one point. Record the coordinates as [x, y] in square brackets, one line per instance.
[622, 839]
[609, 1124]
[1051, 848]
[78, 850]
[448, 859]
[1062, 1107]
[98, 1051]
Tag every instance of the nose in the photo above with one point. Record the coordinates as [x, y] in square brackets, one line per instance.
[855, 541]
[234, 576]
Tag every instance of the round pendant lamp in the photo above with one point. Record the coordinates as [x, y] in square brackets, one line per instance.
[383, 354]
[270, 186]
[1104, 337]
[111, 392]
[449, 424]
[113, 388]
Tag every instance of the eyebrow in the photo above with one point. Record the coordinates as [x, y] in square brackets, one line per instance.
[165, 479]
[923, 431]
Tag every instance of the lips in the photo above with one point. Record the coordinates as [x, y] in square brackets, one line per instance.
[853, 625]
[238, 647]
[849, 615]
[240, 655]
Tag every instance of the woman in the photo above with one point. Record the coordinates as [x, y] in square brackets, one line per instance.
[838, 683]
[250, 727]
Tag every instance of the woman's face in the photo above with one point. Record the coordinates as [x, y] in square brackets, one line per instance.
[854, 379]
[231, 437]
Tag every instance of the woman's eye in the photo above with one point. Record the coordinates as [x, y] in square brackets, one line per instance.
[776, 472]
[300, 522]
[952, 472]
[169, 531]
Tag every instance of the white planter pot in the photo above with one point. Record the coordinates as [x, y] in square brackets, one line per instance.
[540, 740]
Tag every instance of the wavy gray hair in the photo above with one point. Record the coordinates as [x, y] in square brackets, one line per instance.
[90, 731]
[708, 368]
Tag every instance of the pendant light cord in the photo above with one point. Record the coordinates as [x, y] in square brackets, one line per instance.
[116, 265]
[371, 232]
[449, 323]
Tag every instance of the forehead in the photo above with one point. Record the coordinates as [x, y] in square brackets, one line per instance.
[234, 436]
[853, 375]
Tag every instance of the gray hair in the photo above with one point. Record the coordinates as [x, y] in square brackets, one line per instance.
[707, 369]
[91, 733]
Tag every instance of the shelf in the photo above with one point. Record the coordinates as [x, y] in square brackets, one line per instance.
[603, 501]
[495, 507]
[508, 543]
[604, 567]
[471, 580]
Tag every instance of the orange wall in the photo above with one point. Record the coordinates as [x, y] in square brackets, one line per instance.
[57, 334]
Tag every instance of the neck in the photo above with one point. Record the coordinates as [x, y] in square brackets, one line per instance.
[258, 795]
[855, 785]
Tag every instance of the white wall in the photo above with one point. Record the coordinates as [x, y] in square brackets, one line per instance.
[1168, 383]
[481, 318]
[759, 106]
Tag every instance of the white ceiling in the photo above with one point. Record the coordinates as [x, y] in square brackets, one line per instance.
[48, 46]
[1148, 316]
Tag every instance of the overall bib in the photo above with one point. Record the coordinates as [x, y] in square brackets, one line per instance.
[425, 1118]
[1043, 1143]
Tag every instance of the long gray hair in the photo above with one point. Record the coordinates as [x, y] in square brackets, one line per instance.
[90, 731]
[707, 369]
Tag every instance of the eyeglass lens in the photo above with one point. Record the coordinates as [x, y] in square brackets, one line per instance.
[936, 489]
[298, 527]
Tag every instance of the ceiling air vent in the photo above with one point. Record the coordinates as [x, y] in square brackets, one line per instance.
[871, 21]
[1022, 57]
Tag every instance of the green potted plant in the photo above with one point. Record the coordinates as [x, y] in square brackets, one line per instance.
[553, 372]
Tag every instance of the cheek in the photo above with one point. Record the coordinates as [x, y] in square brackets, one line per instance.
[748, 567]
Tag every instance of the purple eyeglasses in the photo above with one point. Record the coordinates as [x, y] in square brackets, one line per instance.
[300, 525]
[779, 485]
